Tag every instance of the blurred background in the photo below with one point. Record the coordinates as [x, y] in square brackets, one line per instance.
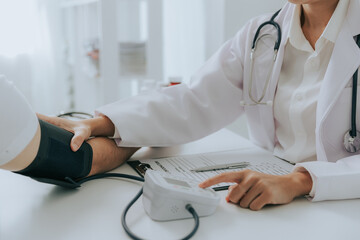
[67, 55]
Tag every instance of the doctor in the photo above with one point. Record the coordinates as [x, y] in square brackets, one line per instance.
[297, 101]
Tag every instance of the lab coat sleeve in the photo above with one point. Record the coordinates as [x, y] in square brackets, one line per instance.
[185, 112]
[333, 181]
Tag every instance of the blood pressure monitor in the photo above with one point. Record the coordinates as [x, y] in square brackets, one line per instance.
[165, 197]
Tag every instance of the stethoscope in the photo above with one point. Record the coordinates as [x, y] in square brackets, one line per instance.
[75, 115]
[257, 38]
[352, 136]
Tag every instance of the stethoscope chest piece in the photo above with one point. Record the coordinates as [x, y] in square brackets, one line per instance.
[352, 144]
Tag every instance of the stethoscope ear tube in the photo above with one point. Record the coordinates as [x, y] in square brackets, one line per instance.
[279, 34]
[278, 29]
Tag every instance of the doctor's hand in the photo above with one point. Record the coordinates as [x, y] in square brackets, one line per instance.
[83, 129]
[254, 190]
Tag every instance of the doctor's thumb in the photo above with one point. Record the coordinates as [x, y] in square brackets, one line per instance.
[76, 142]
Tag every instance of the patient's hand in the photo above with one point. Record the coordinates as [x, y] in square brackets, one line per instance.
[83, 129]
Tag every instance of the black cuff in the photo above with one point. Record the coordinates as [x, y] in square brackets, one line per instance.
[55, 162]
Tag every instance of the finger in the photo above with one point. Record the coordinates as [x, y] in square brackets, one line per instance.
[229, 190]
[44, 117]
[53, 120]
[250, 196]
[259, 202]
[240, 191]
[224, 177]
[77, 140]
[39, 115]
[66, 124]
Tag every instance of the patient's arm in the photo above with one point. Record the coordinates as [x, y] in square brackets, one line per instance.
[21, 135]
[107, 155]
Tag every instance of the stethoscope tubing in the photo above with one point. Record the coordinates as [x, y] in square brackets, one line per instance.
[353, 131]
[278, 29]
[252, 57]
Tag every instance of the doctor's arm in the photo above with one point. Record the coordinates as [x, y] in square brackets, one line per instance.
[254, 190]
[333, 180]
[186, 112]
[173, 115]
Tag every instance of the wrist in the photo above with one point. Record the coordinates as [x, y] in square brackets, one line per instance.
[100, 126]
[302, 183]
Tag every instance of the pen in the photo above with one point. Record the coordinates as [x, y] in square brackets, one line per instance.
[221, 166]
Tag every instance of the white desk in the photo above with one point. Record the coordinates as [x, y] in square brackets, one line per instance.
[32, 210]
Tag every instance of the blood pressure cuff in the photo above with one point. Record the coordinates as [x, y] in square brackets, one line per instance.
[55, 162]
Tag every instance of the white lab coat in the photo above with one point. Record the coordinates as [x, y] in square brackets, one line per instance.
[212, 100]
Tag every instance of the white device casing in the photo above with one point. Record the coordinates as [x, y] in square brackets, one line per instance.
[164, 201]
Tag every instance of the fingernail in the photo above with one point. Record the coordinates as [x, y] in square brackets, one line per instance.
[75, 147]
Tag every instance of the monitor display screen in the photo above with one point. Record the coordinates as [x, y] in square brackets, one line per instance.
[177, 182]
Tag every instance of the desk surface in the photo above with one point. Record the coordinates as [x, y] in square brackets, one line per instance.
[32, 210]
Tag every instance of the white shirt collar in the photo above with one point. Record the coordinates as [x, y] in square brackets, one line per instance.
[334, 26]
[296, 36]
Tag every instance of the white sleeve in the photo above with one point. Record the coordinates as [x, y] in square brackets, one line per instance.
[18, 123]
[183, 113]
[333, 181]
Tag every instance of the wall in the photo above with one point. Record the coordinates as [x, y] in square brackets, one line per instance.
[184, 37]
[238, 12]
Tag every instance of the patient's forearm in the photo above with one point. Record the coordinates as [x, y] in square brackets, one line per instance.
[107, 155]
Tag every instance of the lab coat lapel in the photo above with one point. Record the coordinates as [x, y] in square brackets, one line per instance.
[344, 61]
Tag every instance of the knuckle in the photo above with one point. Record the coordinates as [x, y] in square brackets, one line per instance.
[260, 183]
[268, 194]
[251, 175]
[251, 179]
[222, 174]
[77, 138]
[233, 199]
[231, 188]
